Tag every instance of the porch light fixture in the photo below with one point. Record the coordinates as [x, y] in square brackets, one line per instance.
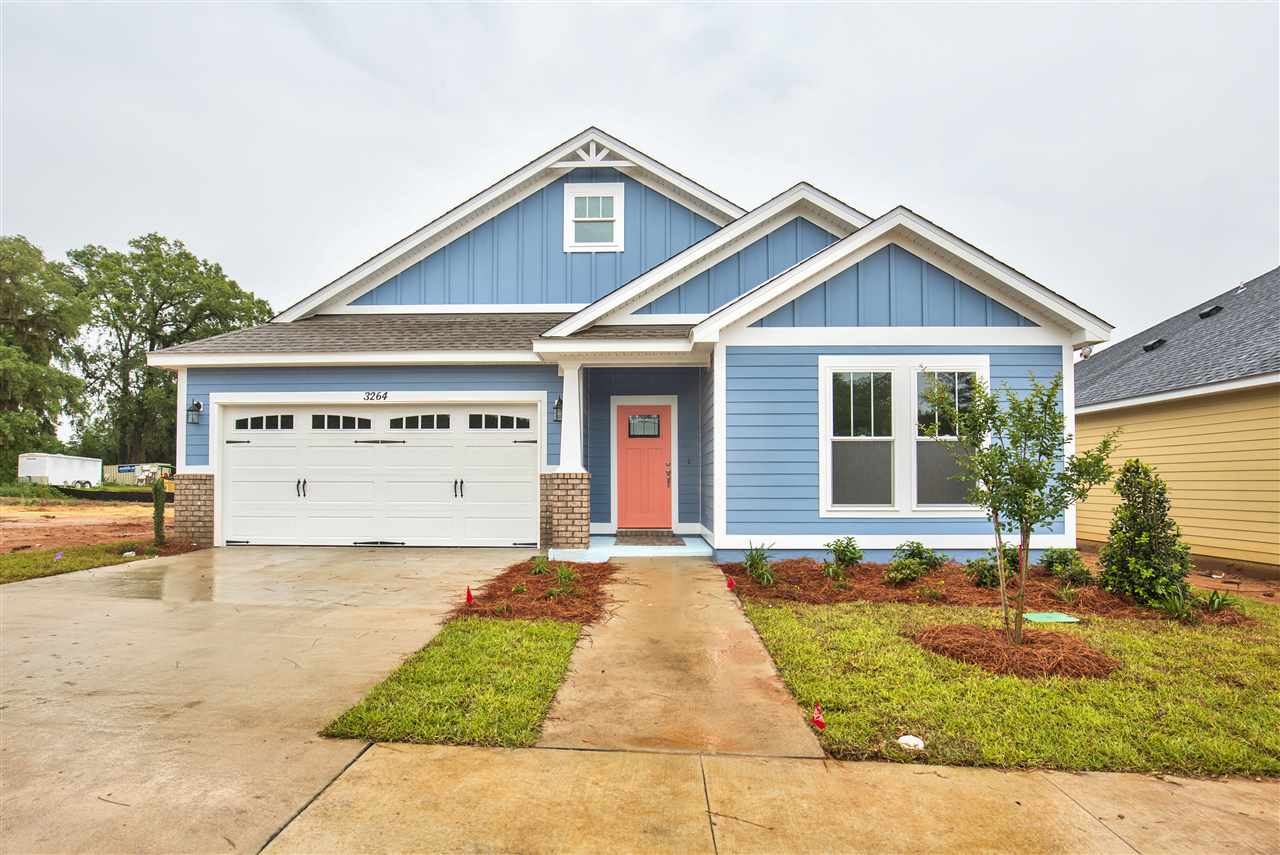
[194, 411]
[557, 410]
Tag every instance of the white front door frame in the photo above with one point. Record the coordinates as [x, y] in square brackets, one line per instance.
[672, 401]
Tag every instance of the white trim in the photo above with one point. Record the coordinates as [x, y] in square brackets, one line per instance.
[612, 345]
[571, 418]
[714, 248]
[903, 368]
[672, 401]
[900, 226]
[180, 450]
[454, 309]
[884, 541]
[719, 453]
[416, 357]
[219, 400]
[491, 201]
[740, 336]
[1179, 394]
[613, 190]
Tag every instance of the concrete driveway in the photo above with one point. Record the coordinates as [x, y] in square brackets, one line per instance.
[173, 704]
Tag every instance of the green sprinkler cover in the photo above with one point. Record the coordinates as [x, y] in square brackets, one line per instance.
[1050, 617]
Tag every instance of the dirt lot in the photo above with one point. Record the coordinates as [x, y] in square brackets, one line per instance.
[51, 526]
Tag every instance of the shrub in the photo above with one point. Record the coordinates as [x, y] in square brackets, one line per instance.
[565, 578]
[982, 572]
[1067, 566]
[914, 550]
[157, 513]
[846, 551]
[833, 570]
[756, 562]
[905, 570]
[934, 590]
[1144, 556]
[540, 565]
[1010, 558]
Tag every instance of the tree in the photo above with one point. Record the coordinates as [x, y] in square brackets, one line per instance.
[1144, 556]
[1013, 453]
[156, 295]
[40, 313]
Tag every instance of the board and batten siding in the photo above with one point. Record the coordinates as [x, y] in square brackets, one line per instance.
[1220, 456]
[518, 256]
[201, 382]
[684, 383]
[772, 436]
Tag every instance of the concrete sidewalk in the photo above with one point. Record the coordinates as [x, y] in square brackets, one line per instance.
[399, 798]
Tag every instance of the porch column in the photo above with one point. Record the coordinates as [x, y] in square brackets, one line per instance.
[571, 420]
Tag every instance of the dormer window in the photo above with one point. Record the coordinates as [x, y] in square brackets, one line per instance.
[593, 217]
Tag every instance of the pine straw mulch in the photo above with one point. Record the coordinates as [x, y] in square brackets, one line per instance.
[800, 580]
[587, 602]
[1041, 654]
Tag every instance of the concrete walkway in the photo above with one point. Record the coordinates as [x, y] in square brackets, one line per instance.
[676, 668]
[399, 798]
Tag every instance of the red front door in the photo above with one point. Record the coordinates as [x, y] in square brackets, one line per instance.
[644, 466]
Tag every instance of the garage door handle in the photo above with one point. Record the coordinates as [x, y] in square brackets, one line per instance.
[455, 488]
[525, 441]
[297, 487]
[304, 488]
[462, 489]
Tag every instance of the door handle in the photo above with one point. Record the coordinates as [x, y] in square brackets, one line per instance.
[455, 488]
[304, 488]
[297, 487]
[462, 489]
[668, 474]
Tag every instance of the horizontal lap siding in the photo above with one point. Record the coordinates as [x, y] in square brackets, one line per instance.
[1220, 456]
[518, 256]
[685, 384]
[398, 378]
[771, 403]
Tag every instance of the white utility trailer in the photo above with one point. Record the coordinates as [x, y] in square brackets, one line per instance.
[61, 469]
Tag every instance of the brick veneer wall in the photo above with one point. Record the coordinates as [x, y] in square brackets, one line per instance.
[193, 508]
[566, 513]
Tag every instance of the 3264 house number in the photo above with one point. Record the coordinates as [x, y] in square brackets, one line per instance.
[375, 396]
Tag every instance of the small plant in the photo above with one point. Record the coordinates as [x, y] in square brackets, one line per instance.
[845, 551]
[914, 550]
[1144, 556]
[903, 571]
[833, 570]
[1068, 593]
[540, 565]
[982, 572]
[934, 591]
[519, 588]
[1179, 605]
[565, 577]
[157, 516]
[1067, 566]
[1216, 601]
[756, 562]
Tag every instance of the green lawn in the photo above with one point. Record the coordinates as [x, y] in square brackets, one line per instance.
[481, 681]
[1186, 699]
[34, 563]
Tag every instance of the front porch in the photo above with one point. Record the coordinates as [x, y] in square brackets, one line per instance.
[602, 547]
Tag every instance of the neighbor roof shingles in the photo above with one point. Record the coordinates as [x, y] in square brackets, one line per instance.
[1243, 340]
[383, 333]
[636, 331]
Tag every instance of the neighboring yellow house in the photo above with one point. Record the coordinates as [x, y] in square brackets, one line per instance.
[1198, 398]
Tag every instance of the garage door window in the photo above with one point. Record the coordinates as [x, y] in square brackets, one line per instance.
[426, 421]
[272, 422]
[491, 421]
[328, 421]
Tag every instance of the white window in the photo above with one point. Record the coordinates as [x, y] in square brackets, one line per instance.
[935, 434]
[873, 460]
[593, 217]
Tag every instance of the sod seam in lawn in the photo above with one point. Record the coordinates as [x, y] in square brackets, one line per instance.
[480, 681]
[35, 563]
[1193, 700]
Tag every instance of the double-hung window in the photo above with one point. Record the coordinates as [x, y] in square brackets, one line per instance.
[593, 217]
[862, 438]
[936, 434]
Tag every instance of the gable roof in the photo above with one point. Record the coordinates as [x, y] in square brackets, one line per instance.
[1022, 293]
[590, 148]
[803, 199]
[1239, 341]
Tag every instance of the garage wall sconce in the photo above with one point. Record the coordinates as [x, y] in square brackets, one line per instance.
[557, 410]
[193, 412]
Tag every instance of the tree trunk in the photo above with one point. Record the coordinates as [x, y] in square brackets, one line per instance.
[1001, 572]
[1024, 555]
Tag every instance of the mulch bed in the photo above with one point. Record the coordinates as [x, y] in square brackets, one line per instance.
[800, 580]
[586, 603]
[1041, 653]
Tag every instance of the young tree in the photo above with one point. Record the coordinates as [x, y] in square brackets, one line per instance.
[40, 313]
[1144, 556]
[1013, 454]
[156, 295]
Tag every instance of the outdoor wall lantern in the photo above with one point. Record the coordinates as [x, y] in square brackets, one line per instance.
[557, 410]
[193, 412]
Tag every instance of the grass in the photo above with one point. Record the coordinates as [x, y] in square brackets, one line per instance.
[481, 681]
[1191, 700]
[34, 494]
[34, 563]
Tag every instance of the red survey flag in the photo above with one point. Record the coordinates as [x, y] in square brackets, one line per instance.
[729, 581]
[470, 599]
[818, 721]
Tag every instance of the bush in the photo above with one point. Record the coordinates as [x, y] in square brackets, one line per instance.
[846, 551]
[982, 572]
[157, 510]
[1144, 556]
[914, 550]
[540, 565]
[833, 570]
[756, 562]
[903, 571]
[1067, 567]
[1010, 558]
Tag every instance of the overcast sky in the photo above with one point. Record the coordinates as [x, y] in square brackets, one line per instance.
[1125, 156]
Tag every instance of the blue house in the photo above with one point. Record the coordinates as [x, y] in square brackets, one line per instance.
[597, 344]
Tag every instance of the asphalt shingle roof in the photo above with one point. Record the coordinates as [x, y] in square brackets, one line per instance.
[631, 331]
[1242, 340]
[381, 333]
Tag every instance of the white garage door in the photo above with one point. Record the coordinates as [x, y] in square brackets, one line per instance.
[417, 475]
